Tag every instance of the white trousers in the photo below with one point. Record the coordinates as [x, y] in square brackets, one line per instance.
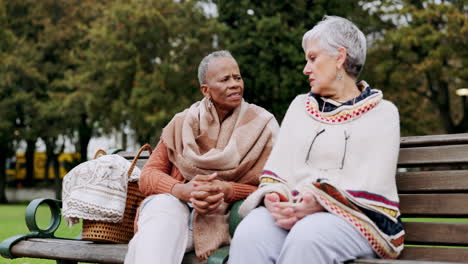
[163, 232]
[316, 238]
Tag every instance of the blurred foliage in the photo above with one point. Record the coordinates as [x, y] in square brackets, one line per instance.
[141, 64]
[421, 60]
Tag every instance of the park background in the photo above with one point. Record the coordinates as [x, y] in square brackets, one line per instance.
[74, 71]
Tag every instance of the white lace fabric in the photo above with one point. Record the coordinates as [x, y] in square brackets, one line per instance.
[97, 189]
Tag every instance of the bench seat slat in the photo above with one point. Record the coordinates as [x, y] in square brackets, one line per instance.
[391, 261]
[428, 181]
[78, 250]
[436, 233]
[434, 205]
[70, 250]
[442, 155]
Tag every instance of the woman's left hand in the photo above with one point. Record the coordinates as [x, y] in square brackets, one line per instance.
[206, 198]
[287, 214]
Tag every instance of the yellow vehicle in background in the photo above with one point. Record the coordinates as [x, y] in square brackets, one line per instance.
[16, 168]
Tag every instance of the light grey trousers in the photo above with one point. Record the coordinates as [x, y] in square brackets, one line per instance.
[164, 233]
[317, 238]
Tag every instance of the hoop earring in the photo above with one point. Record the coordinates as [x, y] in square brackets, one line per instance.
[339, 76]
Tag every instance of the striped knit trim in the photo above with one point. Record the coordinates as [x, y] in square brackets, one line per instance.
[368, 231]
[342, 114]
[393, 213]
[373, 197]
[270, 177]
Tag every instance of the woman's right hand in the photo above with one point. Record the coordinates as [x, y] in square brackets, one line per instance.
[282, 212]
[207, 198]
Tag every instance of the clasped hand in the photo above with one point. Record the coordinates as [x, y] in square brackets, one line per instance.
[205, 192]
[287, 214]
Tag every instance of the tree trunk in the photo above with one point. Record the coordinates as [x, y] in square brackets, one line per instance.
[57, 180]
[52, 160]
[3, 157]
[85, 132]
[30, 149]
[124, 139]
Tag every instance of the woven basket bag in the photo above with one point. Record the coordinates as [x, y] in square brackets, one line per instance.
[121, 232]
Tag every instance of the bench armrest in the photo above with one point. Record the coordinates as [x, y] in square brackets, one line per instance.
[35, 231]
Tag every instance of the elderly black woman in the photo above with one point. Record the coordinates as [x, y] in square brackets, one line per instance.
[209, 156]
[328, 192]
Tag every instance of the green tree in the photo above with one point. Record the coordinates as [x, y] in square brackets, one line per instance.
[421, 61]
[65, 25]
[142, 62]
[23, 85]
[265, 37]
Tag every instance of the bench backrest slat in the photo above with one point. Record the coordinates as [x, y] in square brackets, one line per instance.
[432, 181]
[437, 155]
[434, 140]
[131, 154]
[434, 205]
[141, 163]
[437, 233]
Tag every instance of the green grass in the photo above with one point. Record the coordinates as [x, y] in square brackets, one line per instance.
[12, 223]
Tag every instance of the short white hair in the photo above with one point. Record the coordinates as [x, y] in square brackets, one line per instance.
[335, 32]
[203, 67]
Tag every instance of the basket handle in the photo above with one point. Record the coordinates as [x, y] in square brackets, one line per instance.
[137, 156]
[99, 152]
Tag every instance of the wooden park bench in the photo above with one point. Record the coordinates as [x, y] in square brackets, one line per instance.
[433, 187]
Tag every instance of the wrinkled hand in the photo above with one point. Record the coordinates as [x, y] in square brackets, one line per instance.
[287, 214]
[208, 193]
[183, 191]
[270, 199]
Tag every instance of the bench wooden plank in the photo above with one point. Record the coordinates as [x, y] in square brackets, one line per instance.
[391, 261]
[429, 181]
[434, 205]
[443, 155]
[436, 233]
[131, 154]
[78, 250]
[435, 254]
[70, 250]
[434, 140]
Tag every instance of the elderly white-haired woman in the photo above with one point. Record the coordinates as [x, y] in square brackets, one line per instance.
[328, 191]
[209, 156]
